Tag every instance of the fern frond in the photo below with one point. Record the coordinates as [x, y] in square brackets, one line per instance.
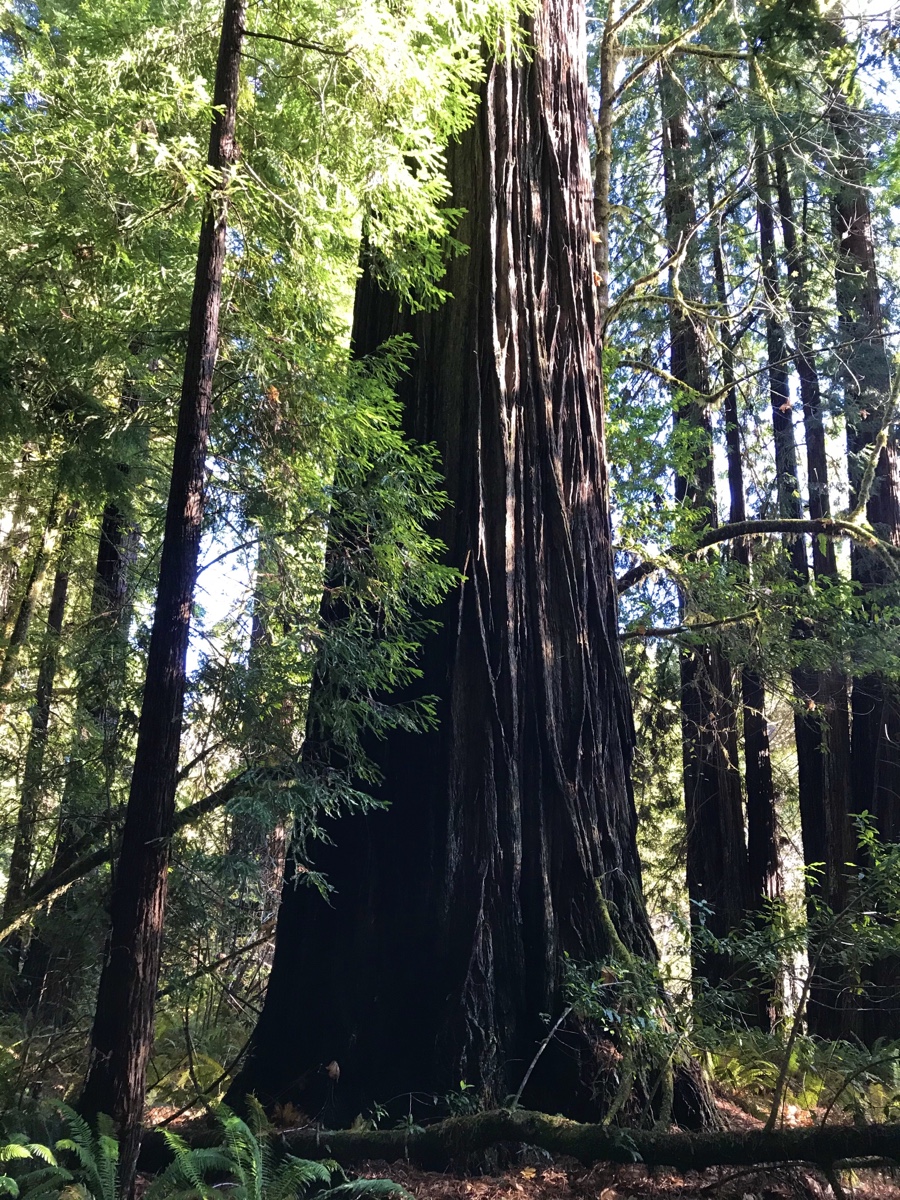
[366, 1189]
[106, 1157]
[82, 1153]
[14, 1150]
[42, 1152]
[295, 1177]
[256, 1118]
[8, 1186]
[78, 1127]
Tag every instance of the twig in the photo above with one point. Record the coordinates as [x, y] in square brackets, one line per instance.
[540, 1050]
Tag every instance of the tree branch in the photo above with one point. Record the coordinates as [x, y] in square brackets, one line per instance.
[300, 43]
[53, 884]
[439, 1144]
[660, 631]
[831, 527]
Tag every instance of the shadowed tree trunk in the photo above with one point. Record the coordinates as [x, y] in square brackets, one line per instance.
[442, 943]
[53, 964]
[717, 866]
[875, 748]
[20, 862]
[122, 1033]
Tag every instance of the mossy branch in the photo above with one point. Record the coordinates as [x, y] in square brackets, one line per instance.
[830, 527]
[440, 1144]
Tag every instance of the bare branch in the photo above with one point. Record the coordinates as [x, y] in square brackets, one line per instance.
[300, 43]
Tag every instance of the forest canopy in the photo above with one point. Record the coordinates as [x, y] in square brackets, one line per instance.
[449, 566]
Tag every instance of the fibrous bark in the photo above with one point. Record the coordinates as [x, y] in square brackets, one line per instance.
[441, 945]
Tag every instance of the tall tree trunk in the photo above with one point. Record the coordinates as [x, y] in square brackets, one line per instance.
[763, 862]
[20, 862]
[122, 1033]
[717, 866]
[823, 723]
[442, 942]
[51, 969]
[86, 798]
[875, 748]
[27, 604]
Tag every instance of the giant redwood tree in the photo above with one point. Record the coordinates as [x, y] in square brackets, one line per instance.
[438, 954]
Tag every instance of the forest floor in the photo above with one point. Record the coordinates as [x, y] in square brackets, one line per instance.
[568, 1180]
[530, 1174]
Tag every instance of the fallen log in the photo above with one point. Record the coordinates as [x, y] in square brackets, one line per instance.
[436, 1146]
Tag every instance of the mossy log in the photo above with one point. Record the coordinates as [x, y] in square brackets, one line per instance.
[439, 1145]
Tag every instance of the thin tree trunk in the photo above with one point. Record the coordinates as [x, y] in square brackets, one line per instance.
[764, 868]
[50, 974]
[122, 1033]
[87, 794]
[823, 724]
[442, 942]
[20, 862]
[27, 605]
[717, 865]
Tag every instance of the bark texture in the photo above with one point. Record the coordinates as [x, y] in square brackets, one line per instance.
[123, 1023]
[441, 945]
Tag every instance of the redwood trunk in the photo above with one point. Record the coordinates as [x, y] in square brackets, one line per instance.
[442, 943]
[717, 867]
[763, 865]
[875, 748]
[823, 724]
[762, 831]
[123, 1024]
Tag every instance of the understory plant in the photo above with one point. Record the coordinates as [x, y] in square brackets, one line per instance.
[247, 1163]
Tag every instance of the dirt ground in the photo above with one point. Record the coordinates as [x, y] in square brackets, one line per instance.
[568, 1180]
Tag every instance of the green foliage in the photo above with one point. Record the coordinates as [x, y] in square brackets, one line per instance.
[255, 1167]
[92, 1154]
[248, 1164]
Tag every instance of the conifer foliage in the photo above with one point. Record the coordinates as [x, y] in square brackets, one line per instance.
[449, 559]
